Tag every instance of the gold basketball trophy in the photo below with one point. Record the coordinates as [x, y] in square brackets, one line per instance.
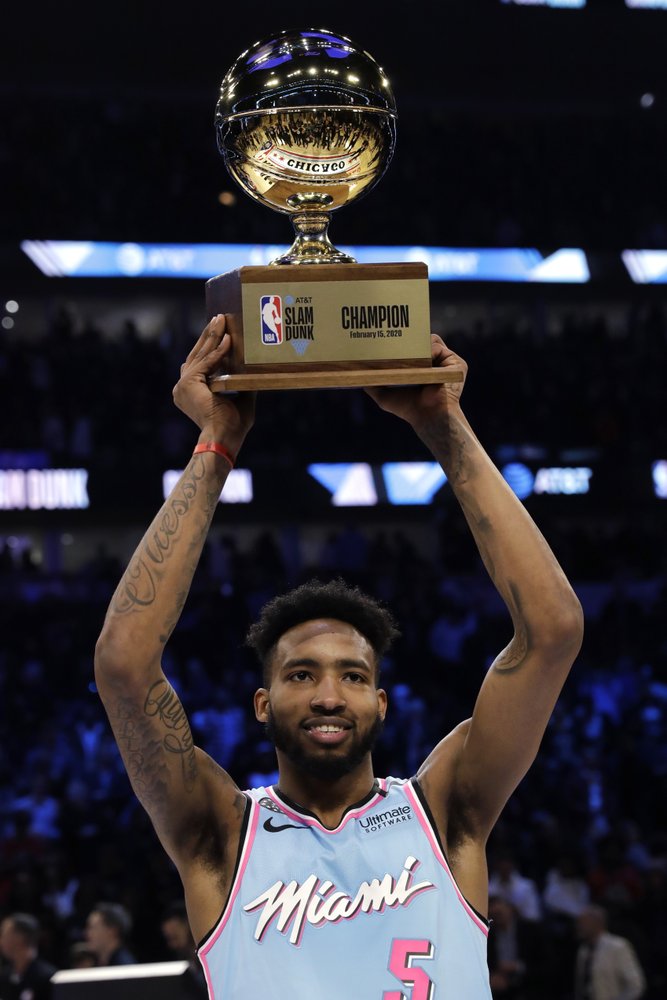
[306, 123]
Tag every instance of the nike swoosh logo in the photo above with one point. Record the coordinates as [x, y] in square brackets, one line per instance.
[268, 825]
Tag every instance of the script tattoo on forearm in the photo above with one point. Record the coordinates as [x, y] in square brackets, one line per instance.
[142, 753]
[138, 587]
[163, 702]
[447, 441]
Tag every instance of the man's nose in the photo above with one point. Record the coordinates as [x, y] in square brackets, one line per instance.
[328, 696]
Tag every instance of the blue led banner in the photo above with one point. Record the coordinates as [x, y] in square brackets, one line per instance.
[659, 470]
[44, 489]
[81, 259]
[412, 482]
[646, 267]
[556, 4]
[238, 487]
[345, 484]
[355, 484]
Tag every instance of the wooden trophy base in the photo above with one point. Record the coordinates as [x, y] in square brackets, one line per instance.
[312, 326]
[334, 380]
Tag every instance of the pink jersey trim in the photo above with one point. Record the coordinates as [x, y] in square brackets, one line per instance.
[309, 821]
[428, 830]
[243, 863]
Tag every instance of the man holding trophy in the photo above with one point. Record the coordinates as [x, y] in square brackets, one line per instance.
[334, 882]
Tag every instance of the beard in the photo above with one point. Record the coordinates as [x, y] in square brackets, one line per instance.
[327, 765]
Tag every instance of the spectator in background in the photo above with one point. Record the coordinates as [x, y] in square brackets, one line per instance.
[178, 938]
[81, 956]
[453, 624]
[222, 724]
[107, 928]
[566, 895]
[42, 807]
[607, 967]
[613, 880]
[516, 953]
[90, 730]
[652, 915]
[28, 976]
[60, 887]
[22, 846]
[508, 883]
[264, 769]
[176, 932]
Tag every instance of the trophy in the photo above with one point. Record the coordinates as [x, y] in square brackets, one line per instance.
[306, 123]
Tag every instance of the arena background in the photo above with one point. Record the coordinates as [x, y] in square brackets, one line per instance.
[536, 127]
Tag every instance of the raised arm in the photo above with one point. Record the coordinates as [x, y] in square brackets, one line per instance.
[170, 776]
[481, 764]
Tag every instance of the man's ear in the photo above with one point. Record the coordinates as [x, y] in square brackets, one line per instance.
[261, 703]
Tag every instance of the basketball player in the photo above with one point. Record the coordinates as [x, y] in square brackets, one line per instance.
[334, 883]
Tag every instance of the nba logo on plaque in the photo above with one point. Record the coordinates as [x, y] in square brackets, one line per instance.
[271, 312]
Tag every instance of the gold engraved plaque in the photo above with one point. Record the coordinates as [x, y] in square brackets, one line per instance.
[345, 320]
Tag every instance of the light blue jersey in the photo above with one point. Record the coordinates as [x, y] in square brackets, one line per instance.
[368, 911]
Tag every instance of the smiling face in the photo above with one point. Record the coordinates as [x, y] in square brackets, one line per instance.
[323, 710]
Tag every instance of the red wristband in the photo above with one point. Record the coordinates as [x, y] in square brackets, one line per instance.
[217, 448]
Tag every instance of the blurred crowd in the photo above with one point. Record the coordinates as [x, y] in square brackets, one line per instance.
[586, 828]
[562, 380]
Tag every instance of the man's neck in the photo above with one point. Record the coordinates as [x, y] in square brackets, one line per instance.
[326, 798]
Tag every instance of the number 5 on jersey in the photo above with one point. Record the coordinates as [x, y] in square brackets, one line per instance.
[403, 952]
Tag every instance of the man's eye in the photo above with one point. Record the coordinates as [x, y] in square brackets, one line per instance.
[358, 678]
[300, 675]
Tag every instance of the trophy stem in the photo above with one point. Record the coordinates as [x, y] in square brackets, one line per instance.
[312, 244]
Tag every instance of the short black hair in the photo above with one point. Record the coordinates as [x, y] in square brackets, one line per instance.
[115, 915]
[175, 911]
[315, 599]
[27, 926]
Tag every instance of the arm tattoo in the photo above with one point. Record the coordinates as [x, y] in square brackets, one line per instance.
[141, 752]
[447, 441]
[163, 702]
[138, 587]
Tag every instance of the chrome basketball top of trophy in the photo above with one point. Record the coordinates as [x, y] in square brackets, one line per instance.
[306, 122]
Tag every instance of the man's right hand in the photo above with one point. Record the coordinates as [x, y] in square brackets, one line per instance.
[220, 417]
[422, 405]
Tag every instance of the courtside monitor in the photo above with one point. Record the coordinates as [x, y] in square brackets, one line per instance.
[150, 981]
